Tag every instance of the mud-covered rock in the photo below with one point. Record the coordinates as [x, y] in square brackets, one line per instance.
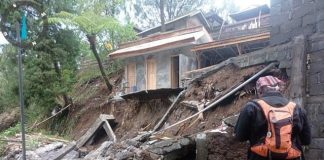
[99, 153]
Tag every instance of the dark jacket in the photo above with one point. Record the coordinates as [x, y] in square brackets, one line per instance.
[252, 125]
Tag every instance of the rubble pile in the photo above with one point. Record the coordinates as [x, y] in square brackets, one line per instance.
[133, 122]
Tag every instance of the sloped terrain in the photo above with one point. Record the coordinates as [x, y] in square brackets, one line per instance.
[134, 119]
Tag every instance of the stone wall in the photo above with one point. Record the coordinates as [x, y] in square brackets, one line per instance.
[315, 95]
[291, 18]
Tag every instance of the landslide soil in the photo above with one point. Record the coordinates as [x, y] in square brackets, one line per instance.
[207, 89]
[133, 116]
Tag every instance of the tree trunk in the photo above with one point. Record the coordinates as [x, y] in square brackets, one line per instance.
[162, 16]
[92, 41]
[67, 99]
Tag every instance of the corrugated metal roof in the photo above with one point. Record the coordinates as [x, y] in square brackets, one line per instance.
[168, 42]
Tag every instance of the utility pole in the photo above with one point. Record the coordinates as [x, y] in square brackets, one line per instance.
[21, 89]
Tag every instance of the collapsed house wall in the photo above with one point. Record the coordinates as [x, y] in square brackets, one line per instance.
[290, 18]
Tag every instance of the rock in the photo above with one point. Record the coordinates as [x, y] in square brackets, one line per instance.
[132, 142]
[48, 148]
[124, 155]
[173, 148]
[71, 155]
[8, 119]
[100, 151]
[30, 155]
[143, 137]
[231, 121]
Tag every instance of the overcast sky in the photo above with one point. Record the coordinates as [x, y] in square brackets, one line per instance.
[2, 39]
[250, 3]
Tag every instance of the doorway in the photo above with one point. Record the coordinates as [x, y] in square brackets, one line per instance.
[175, 72]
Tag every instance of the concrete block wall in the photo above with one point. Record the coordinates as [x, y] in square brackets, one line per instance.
[291, 18]
[315, 95]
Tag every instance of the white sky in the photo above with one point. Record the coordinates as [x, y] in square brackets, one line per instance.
[250, 3]
[2, 39]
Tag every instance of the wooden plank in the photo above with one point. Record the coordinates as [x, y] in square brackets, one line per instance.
[160, 36]
[109, 131]
[151, 73]
[62, 152]
[84, 139]
[106, 117]
[233, 41]
[169, 111]
[239, 49]
[131, 76]
[92, 130]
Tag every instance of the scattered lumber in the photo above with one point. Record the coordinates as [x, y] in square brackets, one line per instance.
[214, 103]
[169, 111]
[35, 126]
[102, 121]
[62, 152]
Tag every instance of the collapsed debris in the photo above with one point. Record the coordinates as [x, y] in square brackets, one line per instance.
[89, 136]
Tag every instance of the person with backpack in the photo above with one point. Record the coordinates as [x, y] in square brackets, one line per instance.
[275, 127]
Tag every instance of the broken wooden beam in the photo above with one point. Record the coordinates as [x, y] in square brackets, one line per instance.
[62, 152]
[212, 104]
[92, 130]
[201, 146]
[169, 111]
[191, 104]
[109, 131]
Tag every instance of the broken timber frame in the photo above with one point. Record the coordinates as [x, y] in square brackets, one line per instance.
[171, 108]
[232, 41]
[101, 121]
[223, 97]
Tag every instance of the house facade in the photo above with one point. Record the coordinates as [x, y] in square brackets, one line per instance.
[159, 60]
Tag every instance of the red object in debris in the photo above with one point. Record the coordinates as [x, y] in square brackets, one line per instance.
[269, 81]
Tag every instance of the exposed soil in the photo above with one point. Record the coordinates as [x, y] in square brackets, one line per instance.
[205, 90]
[223, 146]
[133, 116]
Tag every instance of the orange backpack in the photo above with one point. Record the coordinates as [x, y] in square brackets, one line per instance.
[278, 142]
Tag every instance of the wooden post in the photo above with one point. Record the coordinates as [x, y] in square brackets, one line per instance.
[298, 70]
[201, 147]
[239, 49]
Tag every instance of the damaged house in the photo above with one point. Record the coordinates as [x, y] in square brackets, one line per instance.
[222, 62]
[191, 42]
[158, 60]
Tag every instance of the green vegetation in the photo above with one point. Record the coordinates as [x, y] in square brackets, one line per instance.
[79, 31]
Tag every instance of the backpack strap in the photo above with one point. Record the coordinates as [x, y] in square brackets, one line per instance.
[266, 108]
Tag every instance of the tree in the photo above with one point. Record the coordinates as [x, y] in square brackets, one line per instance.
[92, 25]
[146, 12]
[8, 78]
[162, 16]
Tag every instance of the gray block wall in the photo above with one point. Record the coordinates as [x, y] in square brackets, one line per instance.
[291, 18]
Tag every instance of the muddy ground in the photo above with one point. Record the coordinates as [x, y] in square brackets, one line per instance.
[133, 116]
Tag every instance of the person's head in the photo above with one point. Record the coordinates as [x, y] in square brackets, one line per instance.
[269, 84]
